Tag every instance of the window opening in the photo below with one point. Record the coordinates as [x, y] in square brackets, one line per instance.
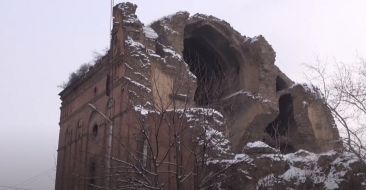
[95, 130]
[108, 86]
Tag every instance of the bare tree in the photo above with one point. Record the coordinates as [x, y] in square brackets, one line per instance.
[344, 91]
[174, 141]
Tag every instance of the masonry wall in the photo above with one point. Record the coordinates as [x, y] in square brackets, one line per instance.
[81, 161]
[146, 73]
[81, 151]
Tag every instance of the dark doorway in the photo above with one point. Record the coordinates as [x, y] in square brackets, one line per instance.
[285, 122]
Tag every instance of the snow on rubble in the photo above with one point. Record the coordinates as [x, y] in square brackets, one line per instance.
[304, 166]
[295, 170]
[257, 144]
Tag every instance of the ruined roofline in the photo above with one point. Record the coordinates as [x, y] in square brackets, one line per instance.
[94, 67]
[128, 12]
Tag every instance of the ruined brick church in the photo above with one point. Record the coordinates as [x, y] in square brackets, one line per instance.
[187, 102]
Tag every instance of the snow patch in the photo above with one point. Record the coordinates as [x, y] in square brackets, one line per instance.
[305, 103]
[128, 18]
[206, 17]
[248, 94]
[346, 159]
[133, 43]
[150, 33]
[304, 166]
[301, 156]
[254, 39]
[141, 75]
[257, 144]
[237, 159]
[295, 175]
[128, 66]
[142, 110]
[216, 140]
[172, 52]
[138, 84]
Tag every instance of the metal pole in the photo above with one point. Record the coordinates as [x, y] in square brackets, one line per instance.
[111, 16]
[109, 144]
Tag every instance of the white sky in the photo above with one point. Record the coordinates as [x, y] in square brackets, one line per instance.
[42, 41]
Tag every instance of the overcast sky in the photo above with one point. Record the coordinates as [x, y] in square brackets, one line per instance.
[42, 41]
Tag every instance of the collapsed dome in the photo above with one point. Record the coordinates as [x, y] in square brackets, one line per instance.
[211, 58]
